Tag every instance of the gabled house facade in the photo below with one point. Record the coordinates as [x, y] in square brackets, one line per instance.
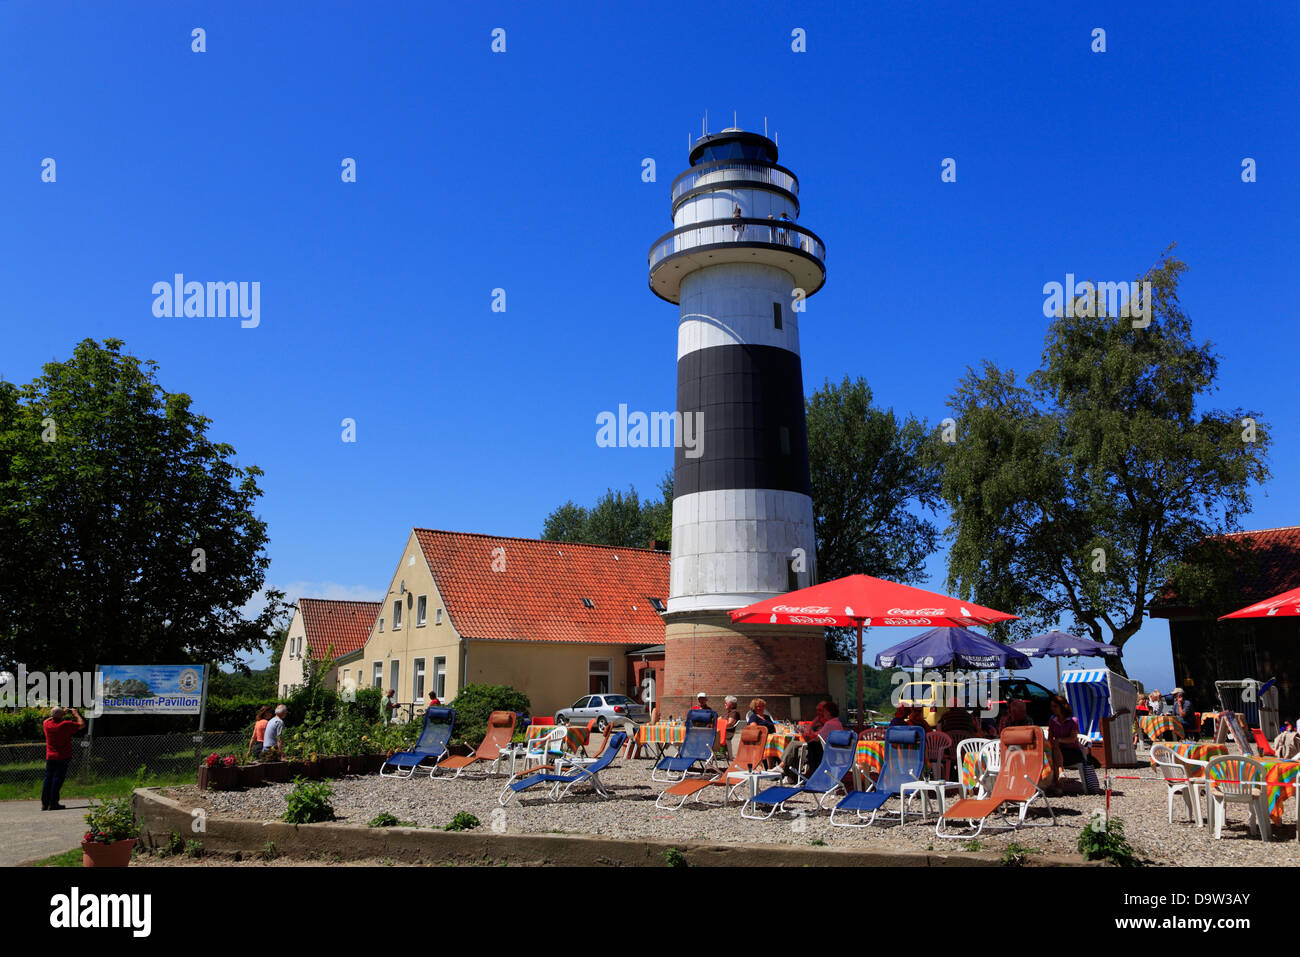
[555, 620]
[323, 629]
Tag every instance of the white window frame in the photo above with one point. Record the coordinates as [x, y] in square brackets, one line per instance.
[397, 615]
[440, 677]
[417, 681]
[381, 626]
[421, 611]
[377, 674]
[437, 616]
[395, 675]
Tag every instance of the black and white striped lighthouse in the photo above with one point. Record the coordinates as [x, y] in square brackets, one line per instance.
[739, 266]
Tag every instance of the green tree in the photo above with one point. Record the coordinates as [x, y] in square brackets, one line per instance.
[872, 481]
[109, 486]
[1081, 492]
[617, 518]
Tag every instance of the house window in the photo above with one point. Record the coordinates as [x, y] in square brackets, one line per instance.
[397, 615]
[421, 610]
[395, 675]
[381, 626]
[785, 440]
[588, 603]
[440, 677]
[598, 675]
[437, 617]
[657, 604]
[417, 681]
[377, 681]
[776, 314]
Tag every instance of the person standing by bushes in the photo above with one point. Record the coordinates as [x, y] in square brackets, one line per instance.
[59, 730]
[387, 705]
[259, 731]
[271, 738]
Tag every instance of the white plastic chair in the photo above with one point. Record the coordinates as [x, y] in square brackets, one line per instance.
[1173, 772]
[1234, 779]
[967, 747]
[990, 764]
[938, 748]
[540, 750]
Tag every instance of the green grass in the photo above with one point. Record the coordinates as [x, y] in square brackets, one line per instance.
[99, 788]
[70, 858]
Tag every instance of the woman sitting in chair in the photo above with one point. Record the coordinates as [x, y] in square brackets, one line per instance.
[1063, 737]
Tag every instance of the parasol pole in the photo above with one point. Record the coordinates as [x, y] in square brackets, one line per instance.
[859, 676]
[1058, 674]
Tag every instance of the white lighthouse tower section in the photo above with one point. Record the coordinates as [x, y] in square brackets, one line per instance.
[732, 547]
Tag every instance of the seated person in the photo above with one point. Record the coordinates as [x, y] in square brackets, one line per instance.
[917, 719]
[758, 715]
[1183, 711]
[1017, 716]
[901, 715]
[1287, 744]
[1063, 737]
[959, 721]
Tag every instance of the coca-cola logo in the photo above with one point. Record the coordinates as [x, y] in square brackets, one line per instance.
[906, 621]
[809, 620]
[802, 609]
[918, 612]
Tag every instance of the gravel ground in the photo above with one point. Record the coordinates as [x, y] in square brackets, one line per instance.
[1141, 804]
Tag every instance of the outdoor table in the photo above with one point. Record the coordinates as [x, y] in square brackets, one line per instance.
[1201, 751]
[1156, 726]
[663, 733]
[752, 777]
[908, 791]
[869, 755]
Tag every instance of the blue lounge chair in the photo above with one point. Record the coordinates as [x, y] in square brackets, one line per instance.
[431, 746]
[837, 760]
[904, 761]
[561, 784]
[696, 749]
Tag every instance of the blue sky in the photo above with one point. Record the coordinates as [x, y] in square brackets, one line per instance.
[522, 171]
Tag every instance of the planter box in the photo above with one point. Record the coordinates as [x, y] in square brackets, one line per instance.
[358, 764]
[203, 779]
[276, 772]
[332, 766]
[252, 775]
[298, 769]
[117, 854]
[222, 778]
[375, 761]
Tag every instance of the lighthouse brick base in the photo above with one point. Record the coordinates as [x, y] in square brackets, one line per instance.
[704, 651]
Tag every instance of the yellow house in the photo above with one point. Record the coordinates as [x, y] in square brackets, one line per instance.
[322, 629]
[553, 619]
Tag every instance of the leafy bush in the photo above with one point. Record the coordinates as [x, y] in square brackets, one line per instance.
[1104, 840]
[24, 725]
[194, 849]
[463, 821]
[675, 858]
[111, 821]
[309, 802]
[1016, 854]
[476, 702]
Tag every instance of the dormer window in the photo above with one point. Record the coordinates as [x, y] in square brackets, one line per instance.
[658, 604]
[587, 602]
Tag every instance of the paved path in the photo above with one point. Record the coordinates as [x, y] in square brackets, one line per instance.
[29, 834]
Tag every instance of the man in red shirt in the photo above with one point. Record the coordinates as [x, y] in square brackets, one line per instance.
[59, 729]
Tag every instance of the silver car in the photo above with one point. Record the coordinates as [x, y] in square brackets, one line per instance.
[606, 709]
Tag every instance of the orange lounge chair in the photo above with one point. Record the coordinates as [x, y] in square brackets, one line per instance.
[1016, 784]
[496, 743]
[749, 756]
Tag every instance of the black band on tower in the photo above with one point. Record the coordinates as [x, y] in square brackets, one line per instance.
[751, 409]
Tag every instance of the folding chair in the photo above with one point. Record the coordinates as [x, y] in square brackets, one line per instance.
[837, 760]
[905, 759]
[1021, 767]
[431, 746]
[749, 756]
[561, 784]
[495, 745]
[696, 752]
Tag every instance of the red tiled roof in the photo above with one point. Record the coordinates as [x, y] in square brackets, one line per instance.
[336, 628]
[536, 591]
[1277, 552]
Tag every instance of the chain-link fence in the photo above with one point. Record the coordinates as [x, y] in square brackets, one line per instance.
[104, 758]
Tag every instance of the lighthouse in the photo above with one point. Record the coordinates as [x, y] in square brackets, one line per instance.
[740, 266]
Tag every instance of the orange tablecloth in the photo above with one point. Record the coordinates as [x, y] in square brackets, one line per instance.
[1157, 725]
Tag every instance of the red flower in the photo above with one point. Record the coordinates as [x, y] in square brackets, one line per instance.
[229, 761]
[88, 838]
[211, 760]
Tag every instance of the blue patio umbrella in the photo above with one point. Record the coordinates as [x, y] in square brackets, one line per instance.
[951, 646]
[1058, 645]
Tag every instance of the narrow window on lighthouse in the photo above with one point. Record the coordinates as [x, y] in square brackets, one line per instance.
[791, 576]
[785, 440]
[776, 314]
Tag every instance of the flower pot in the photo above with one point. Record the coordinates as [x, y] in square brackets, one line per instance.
[117, 854]
[276, 772]
[222, 778]
[252, 775]
[204, 778]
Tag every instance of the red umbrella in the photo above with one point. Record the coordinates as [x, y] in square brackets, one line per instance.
[1286, 604]
[858, 600]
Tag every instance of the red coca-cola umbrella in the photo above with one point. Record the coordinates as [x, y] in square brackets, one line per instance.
[1285, 605]
[858, 600]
